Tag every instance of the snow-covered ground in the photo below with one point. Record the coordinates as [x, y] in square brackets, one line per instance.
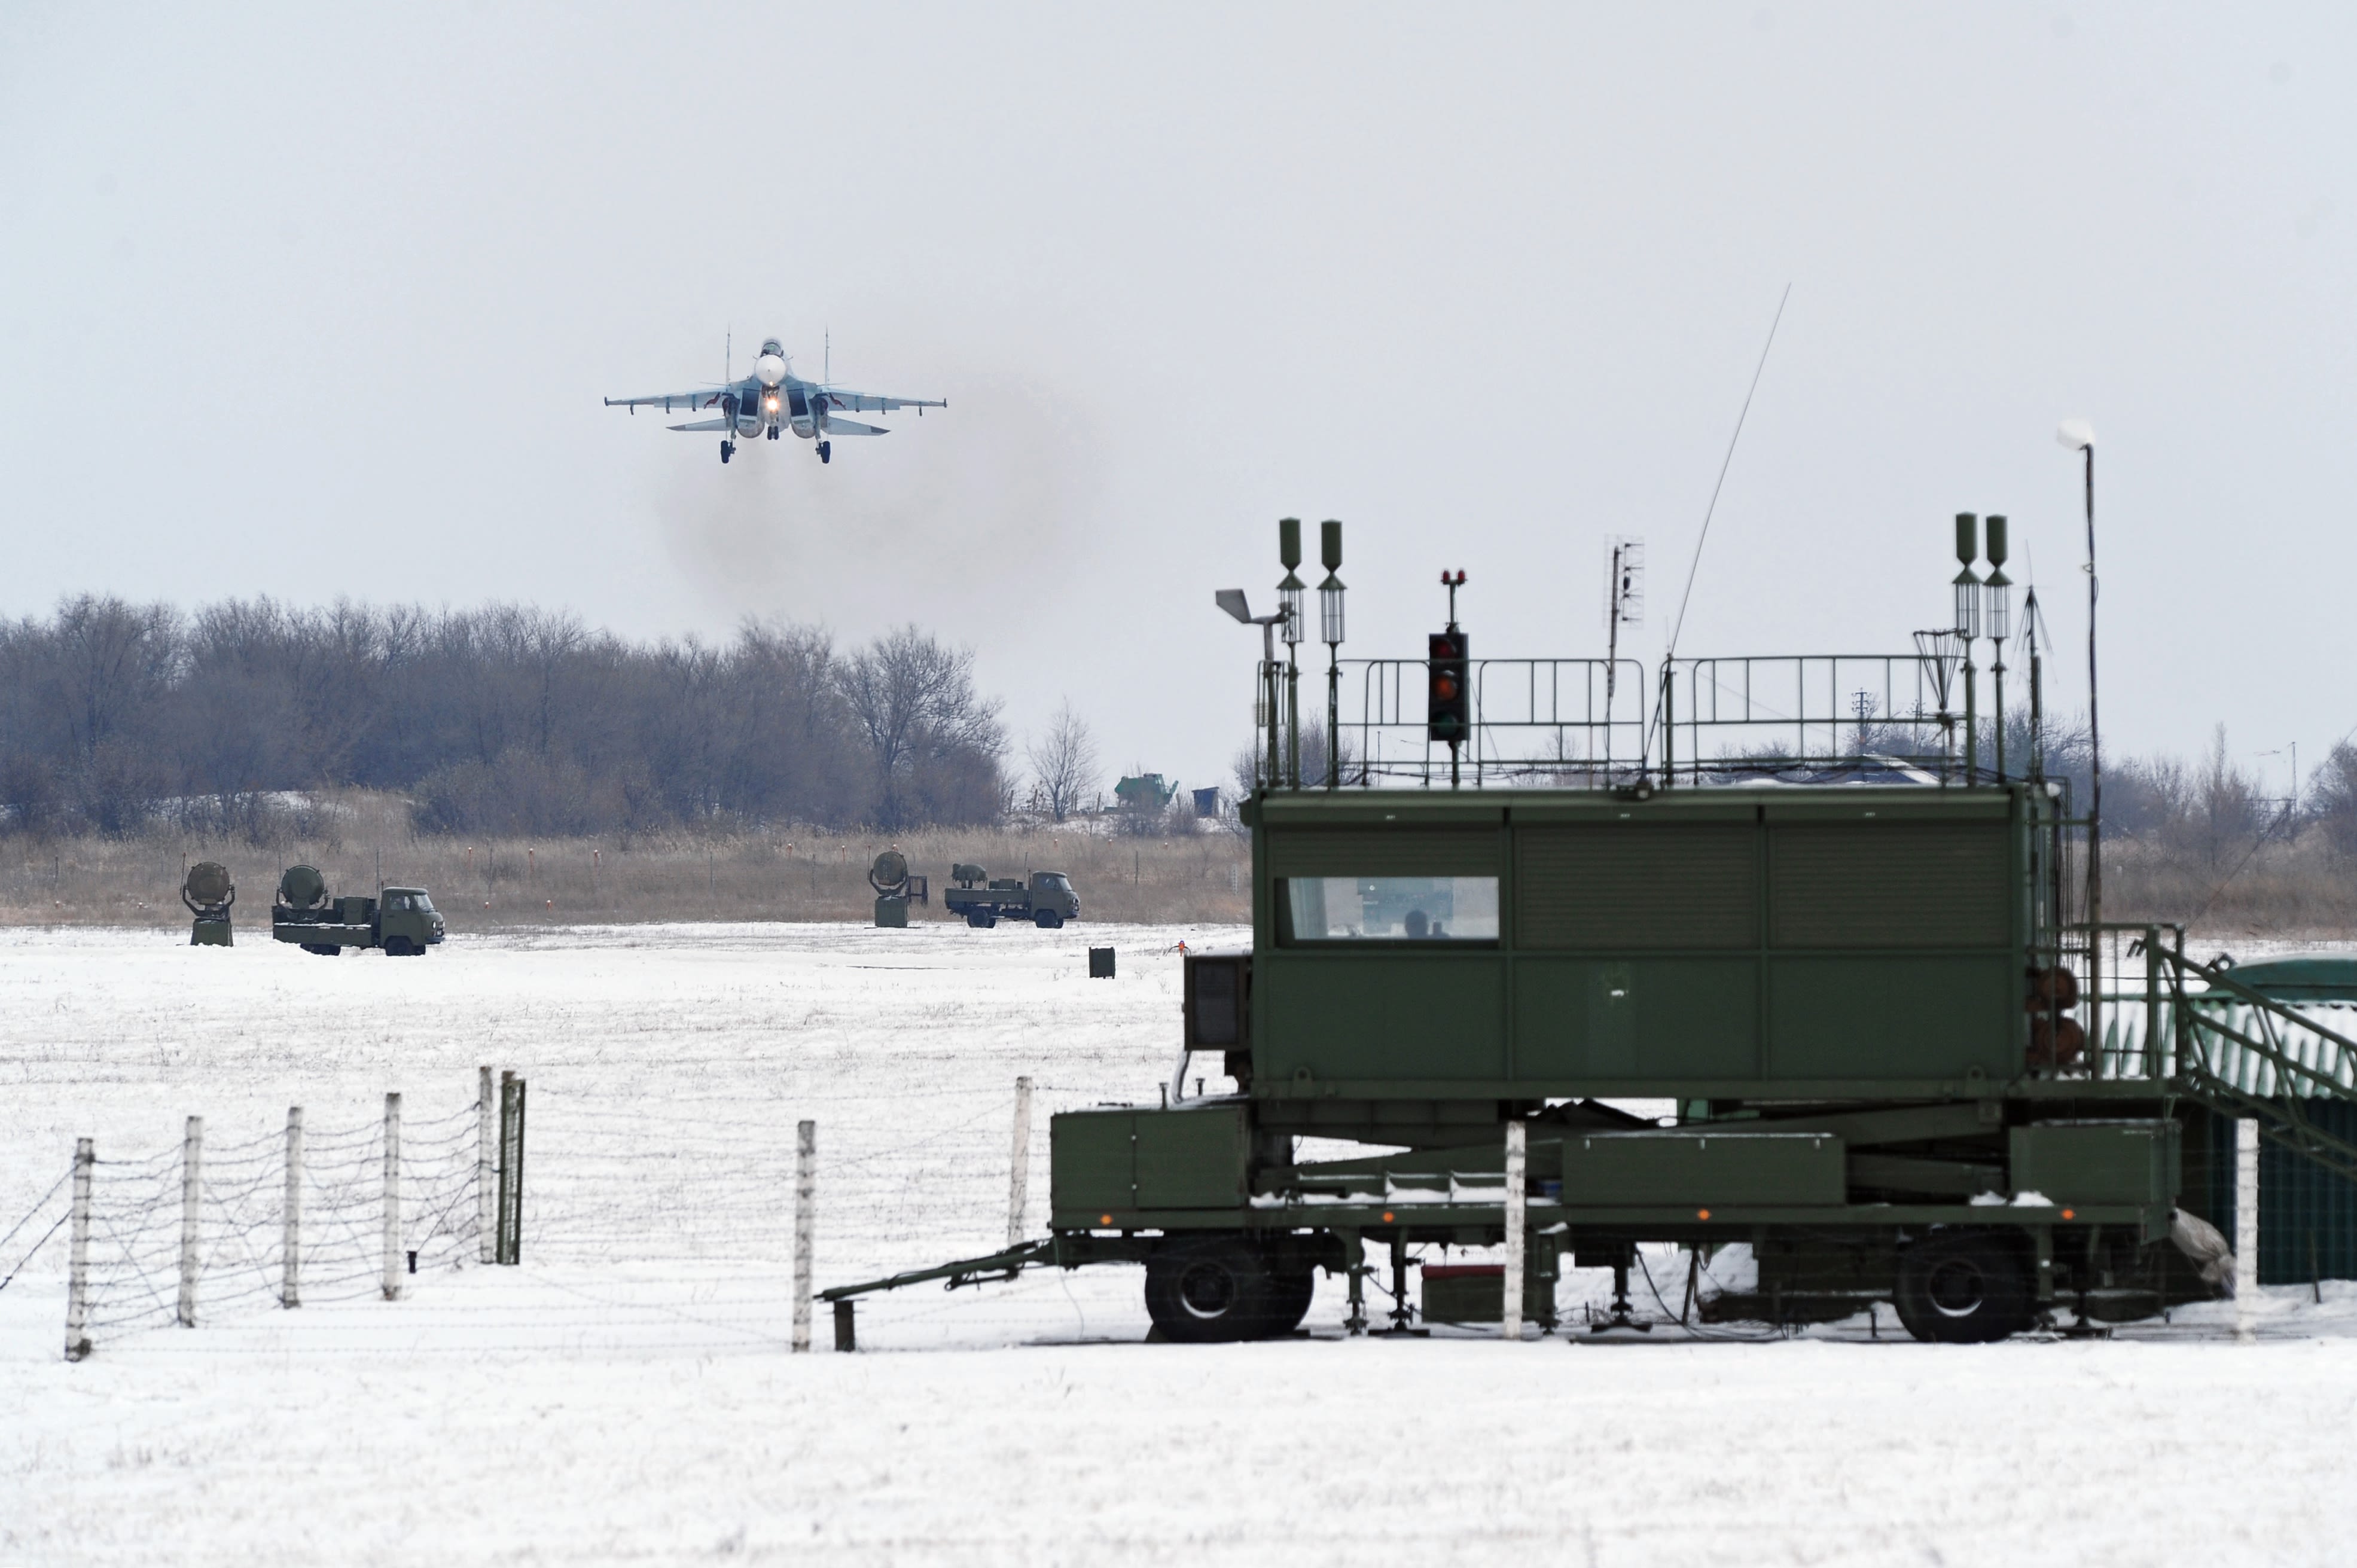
[626, 1395]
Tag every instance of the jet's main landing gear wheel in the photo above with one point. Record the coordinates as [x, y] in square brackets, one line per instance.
[727, 450]
[826, 451]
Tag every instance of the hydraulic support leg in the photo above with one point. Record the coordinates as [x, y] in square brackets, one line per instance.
[1621, 1319]
[1355, 1249]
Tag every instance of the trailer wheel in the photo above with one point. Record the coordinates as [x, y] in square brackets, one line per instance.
[1293, 1294]
[1204, 1290]
[325, 949]
[1962, 1290]
[980, 921]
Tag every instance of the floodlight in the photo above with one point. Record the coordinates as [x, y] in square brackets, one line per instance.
[1288, 599]
[1998, 607]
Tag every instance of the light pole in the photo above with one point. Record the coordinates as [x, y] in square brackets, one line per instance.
[1996, 618]
[1329, 616]
[1968, 631]
[2078, 436]
[1289, 601]
[1232, 601]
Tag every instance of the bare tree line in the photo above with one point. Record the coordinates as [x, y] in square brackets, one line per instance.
[503, 719]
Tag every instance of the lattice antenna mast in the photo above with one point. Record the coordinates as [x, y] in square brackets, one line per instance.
[1624, 600]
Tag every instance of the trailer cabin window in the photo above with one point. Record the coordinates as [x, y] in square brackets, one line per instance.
[1390, 909]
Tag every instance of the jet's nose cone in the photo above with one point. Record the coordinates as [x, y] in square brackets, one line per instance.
[771, 369]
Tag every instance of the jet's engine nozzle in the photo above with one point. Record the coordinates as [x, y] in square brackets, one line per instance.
[771, 369]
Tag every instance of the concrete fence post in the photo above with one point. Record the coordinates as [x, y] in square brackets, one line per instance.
[487, 1178]
[1517, 1213]
[806, 1209]
[2246, 1224]
[77, 1263]
[290, 1247]
[1019, 1175]
[510, 1244]
[393, 1197]
[192, 1166]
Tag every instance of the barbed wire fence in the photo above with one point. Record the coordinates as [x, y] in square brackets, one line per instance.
[208, 1231]
[648, 1188]
[651, 1185]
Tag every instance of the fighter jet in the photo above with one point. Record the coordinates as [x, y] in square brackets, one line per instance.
[772, 400]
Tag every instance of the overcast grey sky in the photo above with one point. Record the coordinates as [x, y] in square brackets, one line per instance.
[320, 301]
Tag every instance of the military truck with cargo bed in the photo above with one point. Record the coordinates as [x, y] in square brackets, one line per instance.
[1045, 899]
[1879, 1050]
[402, 921]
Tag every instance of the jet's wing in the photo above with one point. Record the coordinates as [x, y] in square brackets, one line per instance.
[852, 427]
[673, 403]
[723, 422]
[867, 402]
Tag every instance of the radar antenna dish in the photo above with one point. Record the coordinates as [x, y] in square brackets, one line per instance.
[207, 890]
[889, 874]
[302, 887]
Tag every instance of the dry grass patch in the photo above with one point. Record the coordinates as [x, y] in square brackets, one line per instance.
[800, 873]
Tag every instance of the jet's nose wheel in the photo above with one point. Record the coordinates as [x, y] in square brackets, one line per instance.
[773, 433]
[826, 451]
[727, 450]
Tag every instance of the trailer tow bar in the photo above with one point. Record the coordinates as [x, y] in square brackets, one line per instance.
[1001, 1265]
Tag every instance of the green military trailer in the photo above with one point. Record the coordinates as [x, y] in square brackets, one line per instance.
[1045, 898]
[402, 921]
[1842, 1003]
[1845, 1012]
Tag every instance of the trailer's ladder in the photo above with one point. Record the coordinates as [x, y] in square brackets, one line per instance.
[2239, 1052]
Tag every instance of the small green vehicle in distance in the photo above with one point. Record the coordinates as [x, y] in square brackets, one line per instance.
[1047, 899]
[403, 921]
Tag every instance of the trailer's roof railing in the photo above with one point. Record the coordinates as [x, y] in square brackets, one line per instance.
[1601, 724]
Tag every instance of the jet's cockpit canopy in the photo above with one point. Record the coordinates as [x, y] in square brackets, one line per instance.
[771, 346]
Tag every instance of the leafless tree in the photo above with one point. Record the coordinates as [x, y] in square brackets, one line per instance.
[502, 718]
[2333, 801]
[935, 741]
[1064, 761]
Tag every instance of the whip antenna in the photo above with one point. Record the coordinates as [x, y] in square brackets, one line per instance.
[1712, 509]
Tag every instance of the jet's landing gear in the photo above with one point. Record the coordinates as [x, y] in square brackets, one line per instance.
[727, 450]
[773, 433]
[826, 451]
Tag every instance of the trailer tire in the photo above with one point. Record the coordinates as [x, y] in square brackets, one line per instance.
[1967, 1289]
[1202, 1290]
[1293, 1294]
[325, 949]
[980, 921]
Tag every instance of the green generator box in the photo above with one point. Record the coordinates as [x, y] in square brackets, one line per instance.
[1118, 1159]
[2098, 1162]
[1476, 1292]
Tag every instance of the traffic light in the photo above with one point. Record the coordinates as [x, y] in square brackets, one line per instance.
[1447, 703]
